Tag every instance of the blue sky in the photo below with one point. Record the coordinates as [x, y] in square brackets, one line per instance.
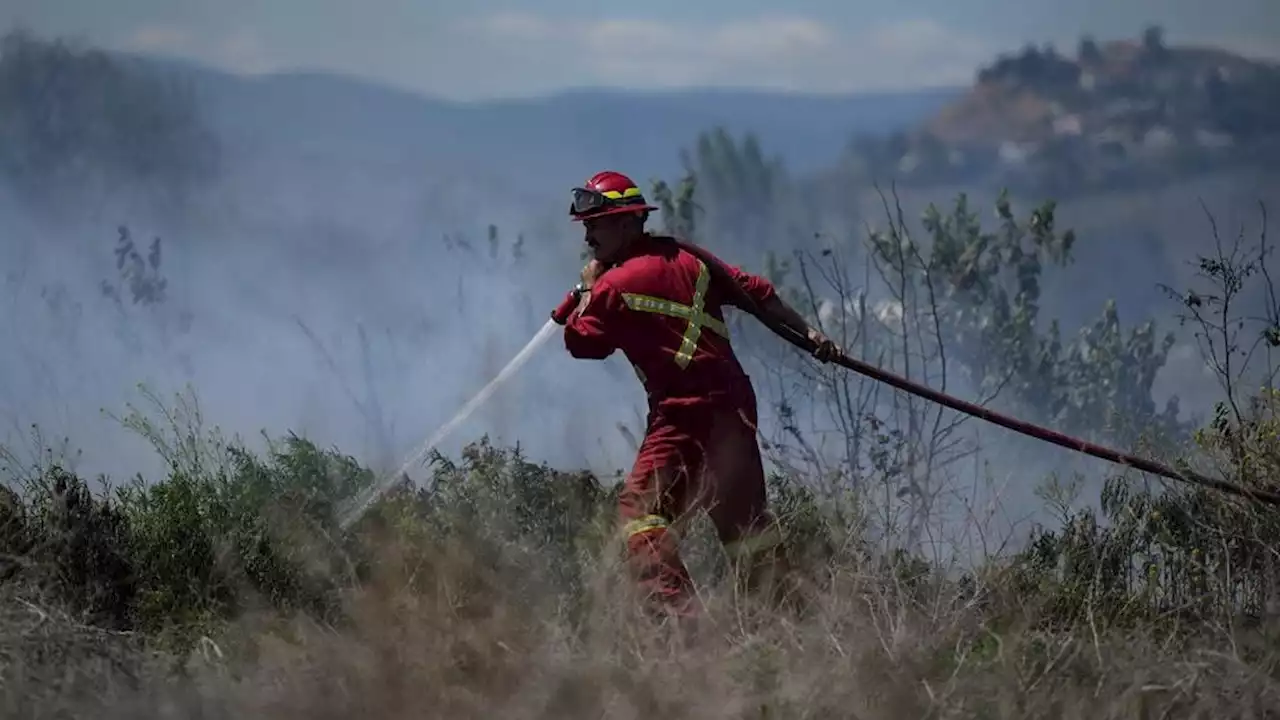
[488, 48]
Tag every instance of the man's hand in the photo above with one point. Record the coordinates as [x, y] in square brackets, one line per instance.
[824, 349]
[591, 272]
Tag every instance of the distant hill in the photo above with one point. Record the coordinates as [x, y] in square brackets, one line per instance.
[287, 141]
[316, 135]
[567, 135]
[1119, 113]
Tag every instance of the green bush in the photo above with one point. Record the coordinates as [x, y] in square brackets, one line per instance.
[224, 532]
[61, 540]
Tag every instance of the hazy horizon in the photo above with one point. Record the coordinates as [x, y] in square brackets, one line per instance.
[500, 49]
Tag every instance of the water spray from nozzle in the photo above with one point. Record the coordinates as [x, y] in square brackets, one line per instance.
[370, 496]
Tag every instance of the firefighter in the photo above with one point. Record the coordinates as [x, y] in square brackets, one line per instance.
[643, 295]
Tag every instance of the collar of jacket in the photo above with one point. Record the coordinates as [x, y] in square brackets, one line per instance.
[643, 245]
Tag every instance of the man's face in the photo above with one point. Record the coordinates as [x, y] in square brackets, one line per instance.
[608, 234]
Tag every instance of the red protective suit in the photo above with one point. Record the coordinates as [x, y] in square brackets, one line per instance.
[659, 306]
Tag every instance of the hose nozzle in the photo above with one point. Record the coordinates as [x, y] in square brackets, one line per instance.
[561, 314]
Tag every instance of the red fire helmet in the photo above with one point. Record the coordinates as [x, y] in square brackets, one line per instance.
[607, 193]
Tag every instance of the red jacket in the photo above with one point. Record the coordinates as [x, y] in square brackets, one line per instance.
[643, 306]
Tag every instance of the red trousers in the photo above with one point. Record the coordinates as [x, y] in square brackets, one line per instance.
[701, 456]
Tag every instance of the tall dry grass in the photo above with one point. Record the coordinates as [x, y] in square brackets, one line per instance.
[467, 602]
[447, 637]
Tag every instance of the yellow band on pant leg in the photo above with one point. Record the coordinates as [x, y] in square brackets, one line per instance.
[647, 523]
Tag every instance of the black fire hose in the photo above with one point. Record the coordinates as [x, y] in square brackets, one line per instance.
[743, 301]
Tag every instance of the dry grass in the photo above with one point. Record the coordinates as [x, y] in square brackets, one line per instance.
[500, 594]
[437, 633]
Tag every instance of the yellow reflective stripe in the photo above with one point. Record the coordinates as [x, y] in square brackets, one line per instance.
[616, 195]
[645, 524]
[694, 315]
[648, 303]
[694, 329]
[756, 543]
